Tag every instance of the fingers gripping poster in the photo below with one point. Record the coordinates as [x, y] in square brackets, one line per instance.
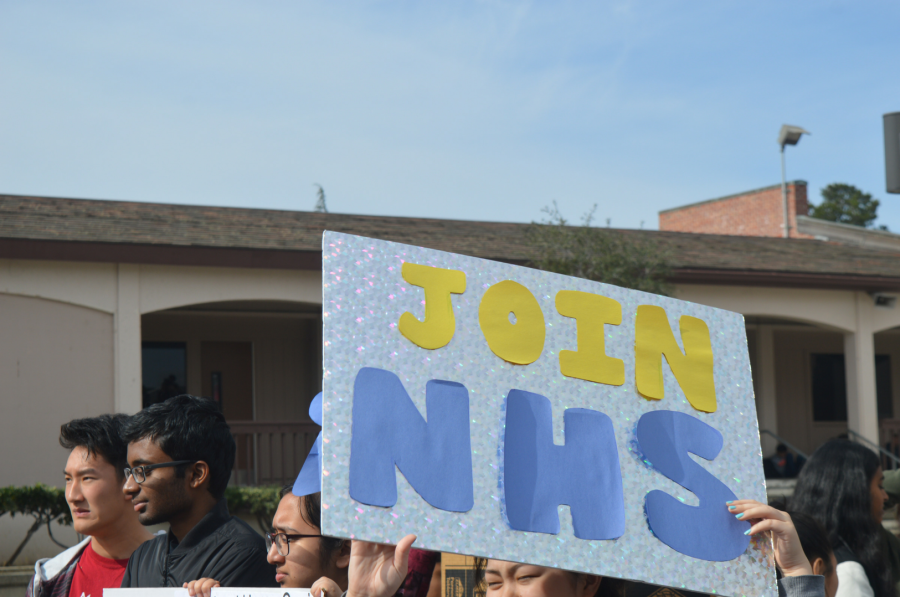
[505, 412]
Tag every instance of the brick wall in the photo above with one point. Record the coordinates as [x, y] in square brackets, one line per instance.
[754, 213]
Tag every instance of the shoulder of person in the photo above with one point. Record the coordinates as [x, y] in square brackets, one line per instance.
[240, 564]
[150, 547]
[240, 532]
[801, 586]
[48, 568]
[852, 580]
[890, 539]
[842, 554]
[50, 572]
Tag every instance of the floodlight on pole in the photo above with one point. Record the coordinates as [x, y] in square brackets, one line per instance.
[788, 135]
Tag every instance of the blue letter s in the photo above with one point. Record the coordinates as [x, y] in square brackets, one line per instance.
[708, 531]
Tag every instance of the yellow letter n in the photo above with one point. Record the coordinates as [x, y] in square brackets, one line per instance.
[439, 324]
[693, 368]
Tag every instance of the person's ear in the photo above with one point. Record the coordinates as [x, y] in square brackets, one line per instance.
[198, 474]
[819, 567]
[343, 557]
[589, 584]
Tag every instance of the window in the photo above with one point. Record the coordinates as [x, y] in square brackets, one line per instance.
[164, 367]
[829, 387]
[883, 386]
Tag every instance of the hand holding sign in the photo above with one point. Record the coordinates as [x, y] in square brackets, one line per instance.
[378, 570]
[325, 587]
[788, 550]
[202, 587]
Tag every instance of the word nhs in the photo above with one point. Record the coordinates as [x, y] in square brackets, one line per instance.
[435, 456]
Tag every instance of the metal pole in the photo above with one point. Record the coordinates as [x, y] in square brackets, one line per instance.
[784, 201]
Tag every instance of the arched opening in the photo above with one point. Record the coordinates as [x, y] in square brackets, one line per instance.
[800, 379]
[887, 382]
[259, 360]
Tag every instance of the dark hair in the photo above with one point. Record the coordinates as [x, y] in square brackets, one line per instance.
[833, 488]
[480, 568]
[188, 428]
[100, 436]
[813, 539]
[311, 512]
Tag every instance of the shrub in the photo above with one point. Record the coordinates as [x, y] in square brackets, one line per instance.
[45, 504]
[260, 502]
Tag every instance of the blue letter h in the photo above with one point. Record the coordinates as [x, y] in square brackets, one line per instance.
[538, 476]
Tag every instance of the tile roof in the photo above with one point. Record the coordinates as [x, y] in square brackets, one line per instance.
[164, 225]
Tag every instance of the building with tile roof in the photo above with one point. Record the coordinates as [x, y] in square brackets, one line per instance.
[112, 305]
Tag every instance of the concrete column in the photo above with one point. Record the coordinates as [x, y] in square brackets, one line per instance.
[859, 359]
[766, 407]
[127, 346]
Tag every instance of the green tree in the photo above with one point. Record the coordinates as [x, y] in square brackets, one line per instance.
[44, 504]
[846, 204]
[603, 255]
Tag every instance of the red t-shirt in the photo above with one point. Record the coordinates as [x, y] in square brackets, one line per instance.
[95, 573]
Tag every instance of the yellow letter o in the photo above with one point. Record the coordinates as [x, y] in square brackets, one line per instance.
[521, 342]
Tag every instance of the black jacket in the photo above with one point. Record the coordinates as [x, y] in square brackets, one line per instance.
[221, 546]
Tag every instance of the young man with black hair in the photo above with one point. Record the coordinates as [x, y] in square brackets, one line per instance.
[180, 456]
[94, 479]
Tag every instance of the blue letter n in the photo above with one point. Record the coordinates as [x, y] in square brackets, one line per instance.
[538, 476]
[435, 457]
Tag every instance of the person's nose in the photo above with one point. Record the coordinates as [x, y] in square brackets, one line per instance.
[273, 557]
[73, 492]
[131, 488]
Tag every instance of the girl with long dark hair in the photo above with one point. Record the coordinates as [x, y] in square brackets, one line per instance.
[841, 486]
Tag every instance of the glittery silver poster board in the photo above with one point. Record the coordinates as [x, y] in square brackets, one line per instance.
[364, 296]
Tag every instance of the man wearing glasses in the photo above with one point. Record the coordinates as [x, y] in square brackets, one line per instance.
[180, 456]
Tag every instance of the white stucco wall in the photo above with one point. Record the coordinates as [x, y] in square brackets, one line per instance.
[70, 338]
[70, 346]
[56, 364]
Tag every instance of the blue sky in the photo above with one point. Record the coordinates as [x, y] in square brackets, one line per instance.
[471, 110]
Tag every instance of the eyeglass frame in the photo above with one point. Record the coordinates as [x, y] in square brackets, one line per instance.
[145, 468]
[271, 540]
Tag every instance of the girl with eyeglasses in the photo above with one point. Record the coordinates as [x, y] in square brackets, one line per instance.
[298, 551]
[304, 558]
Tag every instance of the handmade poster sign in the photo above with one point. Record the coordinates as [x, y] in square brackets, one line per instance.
[505, 412]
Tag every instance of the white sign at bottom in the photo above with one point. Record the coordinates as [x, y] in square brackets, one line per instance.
[216, 592]
[160, 592]
[260, 592]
